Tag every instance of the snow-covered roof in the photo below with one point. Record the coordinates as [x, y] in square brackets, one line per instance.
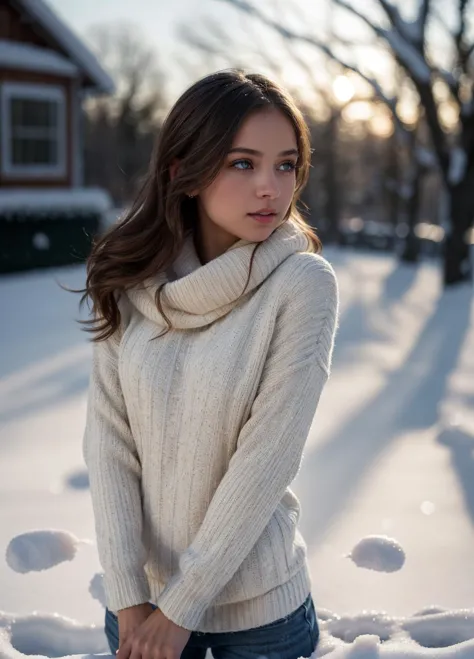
[83, 199]
[16, 55]
[71, 44]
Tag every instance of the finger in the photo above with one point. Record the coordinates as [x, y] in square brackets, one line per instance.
[124, 650]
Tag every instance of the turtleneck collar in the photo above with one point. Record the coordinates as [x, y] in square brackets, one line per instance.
[195, 295]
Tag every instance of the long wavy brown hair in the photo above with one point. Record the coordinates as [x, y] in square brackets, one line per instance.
[198, 132]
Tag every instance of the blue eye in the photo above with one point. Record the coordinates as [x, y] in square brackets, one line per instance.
[289, 166]
[245, 164]
[238, 164]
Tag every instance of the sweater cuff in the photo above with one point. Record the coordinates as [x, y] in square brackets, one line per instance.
[124, 590]
[182, 604]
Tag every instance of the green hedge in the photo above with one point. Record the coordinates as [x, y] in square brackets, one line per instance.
[45, 239]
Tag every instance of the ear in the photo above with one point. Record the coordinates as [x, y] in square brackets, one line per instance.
[174, 168]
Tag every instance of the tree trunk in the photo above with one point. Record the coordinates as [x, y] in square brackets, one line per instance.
[392, 181]
[411, 246]
[457, 250]
[332, 206]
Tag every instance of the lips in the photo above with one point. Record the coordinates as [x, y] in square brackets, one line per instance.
[264, 215]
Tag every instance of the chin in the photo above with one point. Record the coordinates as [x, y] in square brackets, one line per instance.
[259, 234]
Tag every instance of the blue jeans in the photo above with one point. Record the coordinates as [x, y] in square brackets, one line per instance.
[291, 637]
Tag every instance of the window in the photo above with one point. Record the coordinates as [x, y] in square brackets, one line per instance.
[33, 133]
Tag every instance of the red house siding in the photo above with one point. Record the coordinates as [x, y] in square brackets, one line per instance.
[44, 182]
[17, 28]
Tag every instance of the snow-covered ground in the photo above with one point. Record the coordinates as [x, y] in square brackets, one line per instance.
[387, 483]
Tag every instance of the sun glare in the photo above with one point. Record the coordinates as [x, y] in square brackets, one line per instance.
[343, 89]
[381, 125]
[360, 111]
[408, 111]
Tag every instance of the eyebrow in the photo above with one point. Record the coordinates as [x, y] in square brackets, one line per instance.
[253, 152]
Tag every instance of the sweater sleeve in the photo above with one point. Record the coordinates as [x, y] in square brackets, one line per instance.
[269, 448]
[114, 473]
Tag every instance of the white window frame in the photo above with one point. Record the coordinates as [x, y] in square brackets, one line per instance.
[35, 92]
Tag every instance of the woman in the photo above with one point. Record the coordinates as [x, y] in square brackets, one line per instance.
[214, 321]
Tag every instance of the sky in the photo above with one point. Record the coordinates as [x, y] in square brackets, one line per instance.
[159, 21]
[157, 18]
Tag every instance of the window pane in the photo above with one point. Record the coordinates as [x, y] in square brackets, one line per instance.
[53, 114]
[15, 110]
[34, 152]
[28, 151]
[34, 132]
[45, 152]
[33, 113]
[17, 156]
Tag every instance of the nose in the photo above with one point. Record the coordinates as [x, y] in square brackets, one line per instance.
[267, 185]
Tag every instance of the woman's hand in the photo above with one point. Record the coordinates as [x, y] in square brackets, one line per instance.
[131, 618]
[155, 638]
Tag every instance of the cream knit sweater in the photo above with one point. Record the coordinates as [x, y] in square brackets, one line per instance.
[193, 439]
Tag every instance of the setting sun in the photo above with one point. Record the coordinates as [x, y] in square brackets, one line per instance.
[343, 89]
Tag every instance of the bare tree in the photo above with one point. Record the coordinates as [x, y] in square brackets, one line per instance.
[216, 44]
[408, 44]
[120, 129]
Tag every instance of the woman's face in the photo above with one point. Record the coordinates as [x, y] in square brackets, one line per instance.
[252, 193]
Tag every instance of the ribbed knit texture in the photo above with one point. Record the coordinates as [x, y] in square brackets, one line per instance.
[192, 439]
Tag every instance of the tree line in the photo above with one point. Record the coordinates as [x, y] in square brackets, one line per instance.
[418, 169]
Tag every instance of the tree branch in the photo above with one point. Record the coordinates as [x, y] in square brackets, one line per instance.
[345, 5]
[192, 38]
[424, 12]
[462, 19]
[392, 14]
[391, 103]
[409, 55]
[463, 51]
[412, 32]
[451, 82]
[421, 82]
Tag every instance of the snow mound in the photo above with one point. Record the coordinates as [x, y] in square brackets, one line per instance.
[96, 589]
[47, 200]
[349, 628]
[366, 636]
[374, 635]
[48, 635]
[428, 610]
[40, 550]
[440, 630]
[365, 647]
[378, 552]
[368, 647]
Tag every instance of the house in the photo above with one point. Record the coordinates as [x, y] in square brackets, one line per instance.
[45, 73]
